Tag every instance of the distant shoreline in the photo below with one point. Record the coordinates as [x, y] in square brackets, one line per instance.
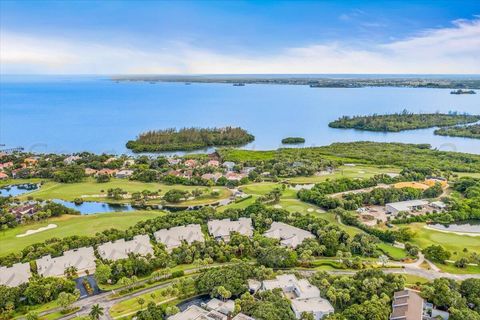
[315, 81]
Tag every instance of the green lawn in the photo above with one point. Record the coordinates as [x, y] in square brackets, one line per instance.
[19, 181]
[450, 268]
[358, 171]
[393, 252]
[70, 191]
[450, 241]
[72, 225]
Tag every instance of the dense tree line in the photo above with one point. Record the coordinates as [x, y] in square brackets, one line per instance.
[189, 139]
[402, 121]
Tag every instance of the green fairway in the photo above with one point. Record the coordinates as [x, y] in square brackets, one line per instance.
[90, 190]
[68, 225]
[357, 171]
[452, 242]
[393, 252]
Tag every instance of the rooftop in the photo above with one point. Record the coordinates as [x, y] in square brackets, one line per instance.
[289, 236]
[82, 259]
[173, 237]
[16, 275]
[120, 249]
[406, 305]
[223, 228]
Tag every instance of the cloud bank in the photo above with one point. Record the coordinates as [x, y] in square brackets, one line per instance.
[448, 50]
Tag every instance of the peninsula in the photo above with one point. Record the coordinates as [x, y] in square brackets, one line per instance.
[402, 121]
[472, 131]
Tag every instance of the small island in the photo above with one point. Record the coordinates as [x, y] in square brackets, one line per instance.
[460, 91]
[293, 140]
[402, 121]
[187, 139]
[472, 131]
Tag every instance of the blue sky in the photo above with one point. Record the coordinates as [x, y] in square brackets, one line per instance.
[239, 36]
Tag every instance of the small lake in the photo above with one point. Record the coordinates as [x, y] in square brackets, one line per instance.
[471, 226]
[95, 207]
[17, 190]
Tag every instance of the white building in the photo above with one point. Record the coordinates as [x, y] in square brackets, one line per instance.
[221, 229]
[83, 259]
[224, 307]
[194, 312]
[173, 237]
[405, 206]
[288, 235]
[123, 174]
[303, 296]
[120, 249]
[16, 275]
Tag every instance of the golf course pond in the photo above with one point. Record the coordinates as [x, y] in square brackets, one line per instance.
[18, 189]
[470, 226]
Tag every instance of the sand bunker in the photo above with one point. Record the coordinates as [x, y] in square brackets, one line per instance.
[29, 232]
[277, 206]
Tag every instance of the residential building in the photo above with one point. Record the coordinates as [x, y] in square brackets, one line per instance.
[173, 237]
[120, 249]
[16, 275]
[288, 235]
[224, 307]
[25, 209]
[3, 176]
[190, 163]
[123, 174]
[229, 165]
[108, 172]
[6, 165]
[242, 316]
[90, 171]
[71, 159]
[83, 259]
[405, 206]
[212, 176]
[233, 176]
[128, 163]
[247, 170]
[174, 161]
[213, 163]
[221, 229]
[408, 305]
[195, 312]
[439, 205]
[304, 297]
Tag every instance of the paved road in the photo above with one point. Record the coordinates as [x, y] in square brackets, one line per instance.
[105, 300]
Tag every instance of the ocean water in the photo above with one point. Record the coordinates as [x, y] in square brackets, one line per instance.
[80, 113]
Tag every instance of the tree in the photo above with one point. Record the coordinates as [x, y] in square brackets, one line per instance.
[103, 273]
[31, 316]
[96, 312]
[140, 301]
[436, 253]
[307, 316]
[223, 293]
[65, 299]
[171, 310]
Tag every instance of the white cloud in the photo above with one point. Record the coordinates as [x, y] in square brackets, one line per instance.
[447, 50]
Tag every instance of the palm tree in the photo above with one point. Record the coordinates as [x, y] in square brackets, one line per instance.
[96, 312]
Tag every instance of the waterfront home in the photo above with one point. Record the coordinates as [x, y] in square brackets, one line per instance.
[174, 161]
[30, 162]
[229, 165]
[405, 206]
[24, 209]
[190, 163]
[120, 249]
[221, 229]
[233, 176]
[3, 176]
[303, 296]
[212, 176]
[107, 172]
[6, 165]
[408, 305]
[90, 171]
[173, 237]
[213, 163]
[288, 235]
[128, 163]
[82, 259]
[16, 275]
[123, 174]
[71, 159]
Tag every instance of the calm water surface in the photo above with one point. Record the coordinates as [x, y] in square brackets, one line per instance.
[471, 226]
[68, 114]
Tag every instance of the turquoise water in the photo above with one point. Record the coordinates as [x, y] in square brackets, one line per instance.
[69, 114]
